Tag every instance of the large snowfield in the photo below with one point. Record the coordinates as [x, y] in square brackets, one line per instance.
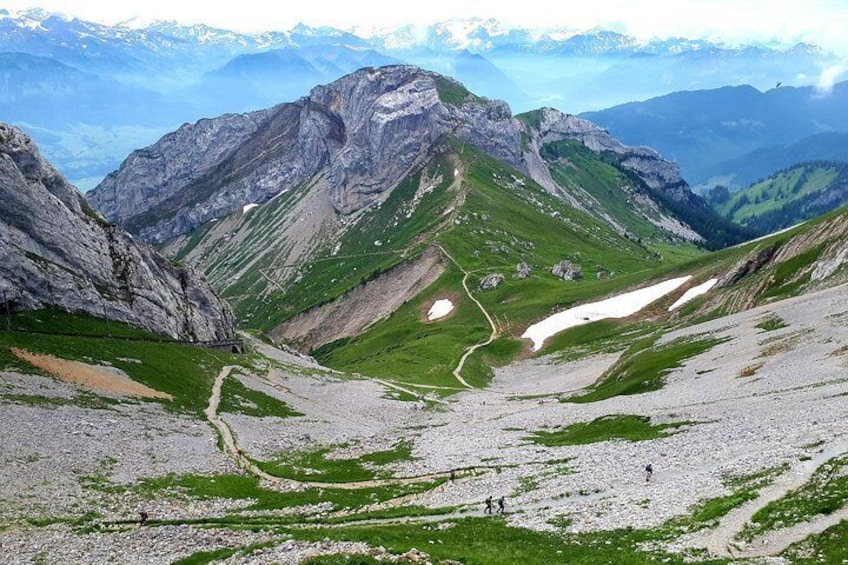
[619, 306]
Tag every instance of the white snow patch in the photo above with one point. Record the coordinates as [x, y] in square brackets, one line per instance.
[619, 306]
[278, 194]
[455, 173]
[692, 293]
[248, 207]
[440, 309]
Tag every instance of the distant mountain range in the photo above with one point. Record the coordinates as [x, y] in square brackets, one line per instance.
[712, 133]
[149, 77]
[761, 163]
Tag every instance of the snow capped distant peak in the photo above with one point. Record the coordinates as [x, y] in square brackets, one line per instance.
[35, 14]
[454, 35]
[321, 31]
[139, 23]
[32, 18]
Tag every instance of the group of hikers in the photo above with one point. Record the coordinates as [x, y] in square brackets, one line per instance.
[649, 472]
[490, 507]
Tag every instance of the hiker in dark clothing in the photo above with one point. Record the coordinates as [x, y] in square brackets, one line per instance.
[143, 516]
[501, 503]
[488, 509]
[650, 471]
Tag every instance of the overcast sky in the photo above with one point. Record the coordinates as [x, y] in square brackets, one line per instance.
[820, 21]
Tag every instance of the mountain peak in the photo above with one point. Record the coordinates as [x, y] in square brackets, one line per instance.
[357, 138]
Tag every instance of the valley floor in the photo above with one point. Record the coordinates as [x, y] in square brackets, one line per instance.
[756, 420]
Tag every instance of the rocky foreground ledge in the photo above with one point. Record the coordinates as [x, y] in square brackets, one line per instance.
[56, 251]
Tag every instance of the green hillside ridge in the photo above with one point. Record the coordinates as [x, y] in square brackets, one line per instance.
[622, 195]
[503, 219]
[407, 348]
[789, 196]
[487, 220]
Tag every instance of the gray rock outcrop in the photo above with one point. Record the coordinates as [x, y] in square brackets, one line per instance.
[522, 271]
[491, 281]
[56, 251]
[567, 271]
[647, 164]
[748, 265]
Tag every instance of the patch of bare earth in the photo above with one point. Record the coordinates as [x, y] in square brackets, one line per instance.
[94, 377]
[350, 314]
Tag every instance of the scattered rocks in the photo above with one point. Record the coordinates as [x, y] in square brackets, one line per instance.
[738, 427]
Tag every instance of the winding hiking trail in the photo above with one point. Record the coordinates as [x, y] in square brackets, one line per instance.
[230, 445]
[457, 372]
[232, 448]
[721, 540]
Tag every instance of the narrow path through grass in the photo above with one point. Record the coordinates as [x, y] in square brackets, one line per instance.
[457, 372]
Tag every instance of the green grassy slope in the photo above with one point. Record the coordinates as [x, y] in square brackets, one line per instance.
[384, 237]
[183, 371]
[786, 198]
[572, 164]
[501, 219]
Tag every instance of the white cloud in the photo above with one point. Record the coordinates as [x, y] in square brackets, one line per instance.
[830, 76]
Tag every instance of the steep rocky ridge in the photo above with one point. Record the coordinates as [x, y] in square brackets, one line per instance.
[362, 133]
[56, 251]
[656, 190]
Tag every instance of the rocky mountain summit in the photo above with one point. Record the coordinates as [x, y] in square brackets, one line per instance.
[56, 251]
[360, 135]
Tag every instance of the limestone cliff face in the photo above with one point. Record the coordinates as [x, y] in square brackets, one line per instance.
[362, 133]
[55, 250]
[357, 137]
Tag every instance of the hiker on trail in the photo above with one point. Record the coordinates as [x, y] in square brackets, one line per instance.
[453, 476]
[650, 471]
[488, 509]
[501, 503]
[143, 516]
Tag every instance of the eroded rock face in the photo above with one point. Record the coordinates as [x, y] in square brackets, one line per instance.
[55, 250]
[363, 133]
[748, 265]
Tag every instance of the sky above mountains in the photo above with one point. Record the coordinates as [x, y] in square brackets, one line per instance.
[732, 21]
